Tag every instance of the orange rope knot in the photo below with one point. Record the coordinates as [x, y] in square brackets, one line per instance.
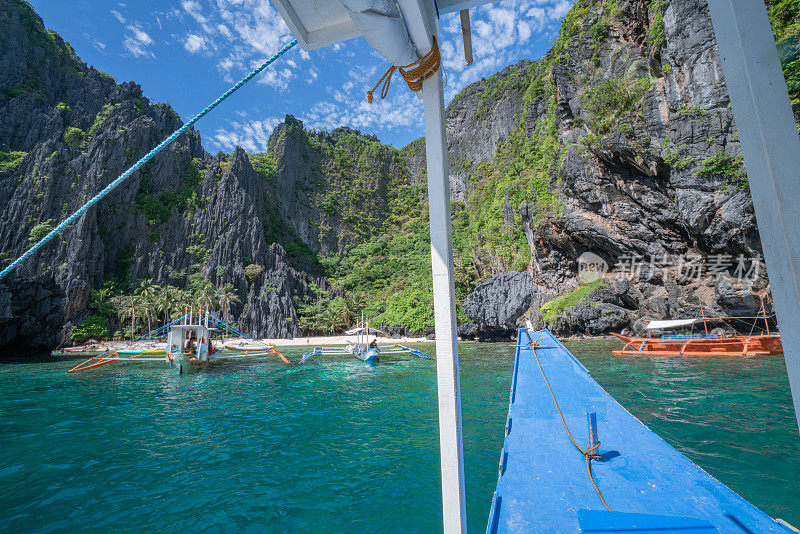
[590, 453]
[414, 74]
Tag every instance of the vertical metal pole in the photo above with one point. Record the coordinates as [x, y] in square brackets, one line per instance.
[771, 151]
[444, 307]
[420, 19]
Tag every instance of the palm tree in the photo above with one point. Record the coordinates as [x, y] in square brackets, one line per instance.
[147, 292]
[356, 302]
[226, 295]
[331, 320]
[177, 302]
[206, 295]
[102, 300]
[129, 306]
[163, 302]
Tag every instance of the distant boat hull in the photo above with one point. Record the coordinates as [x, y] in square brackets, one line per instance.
[246, 348]
[761, 345]
[368, 356]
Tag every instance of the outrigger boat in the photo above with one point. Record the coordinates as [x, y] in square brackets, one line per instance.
[359, 349]
[697, 344]
[370, 355]
[705, 344]
[178, 353]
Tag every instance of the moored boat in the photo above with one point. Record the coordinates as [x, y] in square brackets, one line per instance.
[141, 351]
[369, 355]
[249, 347]
[360, 350]
[701, 345]
[189, 345]
[704, 344]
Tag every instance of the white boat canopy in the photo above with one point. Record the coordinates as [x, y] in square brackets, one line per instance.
[364, 330]
[666, 325]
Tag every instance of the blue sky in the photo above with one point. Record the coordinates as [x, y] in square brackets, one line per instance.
[187, 52]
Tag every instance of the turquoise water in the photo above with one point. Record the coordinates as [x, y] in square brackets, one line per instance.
[337, 446]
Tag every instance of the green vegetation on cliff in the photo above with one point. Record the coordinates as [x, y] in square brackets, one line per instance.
[372, 231]
[10, 161]
[558, 307]
[158, 210]
[785, 18]
[73, 137]
[40, 230]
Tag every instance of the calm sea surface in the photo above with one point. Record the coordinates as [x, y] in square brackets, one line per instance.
[338, 446]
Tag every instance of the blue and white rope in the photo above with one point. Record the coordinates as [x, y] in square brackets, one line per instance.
[138, 165]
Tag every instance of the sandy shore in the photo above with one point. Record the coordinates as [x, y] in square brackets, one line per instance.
[339, 340]
[315, 341]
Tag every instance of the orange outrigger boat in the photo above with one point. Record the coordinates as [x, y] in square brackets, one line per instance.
[706, 344]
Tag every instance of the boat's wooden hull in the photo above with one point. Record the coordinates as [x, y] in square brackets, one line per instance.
[761, 345]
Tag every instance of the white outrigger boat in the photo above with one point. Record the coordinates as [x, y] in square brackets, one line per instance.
[189, 345]
[367, 353]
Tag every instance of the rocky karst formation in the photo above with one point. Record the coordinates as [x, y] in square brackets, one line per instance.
[619, 142]
[67, 130]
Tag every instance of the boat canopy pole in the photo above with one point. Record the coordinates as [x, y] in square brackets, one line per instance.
[421, 22]
[771, 149]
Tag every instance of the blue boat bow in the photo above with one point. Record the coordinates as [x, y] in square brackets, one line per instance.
[547, 483]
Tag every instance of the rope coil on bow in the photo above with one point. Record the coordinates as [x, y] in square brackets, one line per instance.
[589, 452]
[414, 74]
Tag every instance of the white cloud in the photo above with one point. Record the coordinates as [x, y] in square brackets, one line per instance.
[499, 31]
[98, 45]
[246, 31]
[136, 40]
[118, 16]
[224, 31]
[401, 110]
[194, 10]
[276, 78]
[141, 36]
[194, 43]
[252, 136]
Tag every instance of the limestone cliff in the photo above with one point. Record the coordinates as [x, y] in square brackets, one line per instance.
[619, 142]
[67, 130]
